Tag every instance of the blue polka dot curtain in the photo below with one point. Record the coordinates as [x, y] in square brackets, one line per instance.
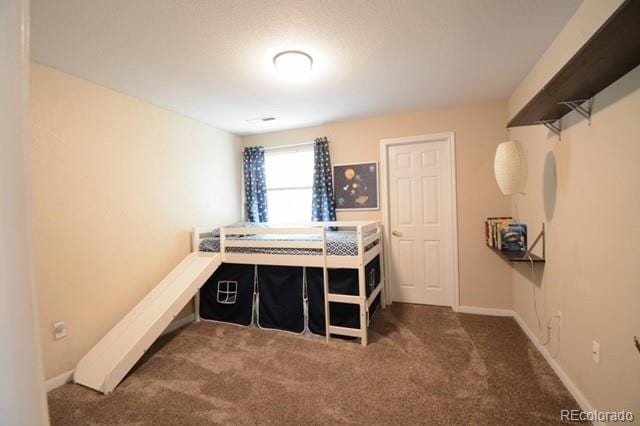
[323, 205]
[255, 184]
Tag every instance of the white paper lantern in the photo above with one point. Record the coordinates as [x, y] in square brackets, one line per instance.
[510, 167]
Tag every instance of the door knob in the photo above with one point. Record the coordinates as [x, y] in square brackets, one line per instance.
[396, 233]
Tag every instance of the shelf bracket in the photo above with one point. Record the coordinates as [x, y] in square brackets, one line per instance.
[535, 242]
[554, 125]
[581, 106]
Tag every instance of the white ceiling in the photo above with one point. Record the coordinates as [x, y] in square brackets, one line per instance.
[212, 60]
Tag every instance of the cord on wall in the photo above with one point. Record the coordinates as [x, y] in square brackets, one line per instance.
[549, 327]
[535, 304]
[515, 209]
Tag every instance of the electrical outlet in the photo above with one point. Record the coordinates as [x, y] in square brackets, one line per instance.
[595, 353]
[59, 330]
[559, 315]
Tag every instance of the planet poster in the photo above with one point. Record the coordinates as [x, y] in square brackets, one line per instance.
[356, 186]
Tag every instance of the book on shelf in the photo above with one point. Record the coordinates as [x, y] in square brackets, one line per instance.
[492, 229]
[514, 238]
[503, 234]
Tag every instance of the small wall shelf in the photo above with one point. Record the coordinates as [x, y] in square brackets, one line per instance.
[526, 256]
[610, 53]
[520, 257]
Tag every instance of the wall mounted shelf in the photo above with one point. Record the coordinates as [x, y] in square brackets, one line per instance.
[526, 256]
[610, 53]
[520, 256]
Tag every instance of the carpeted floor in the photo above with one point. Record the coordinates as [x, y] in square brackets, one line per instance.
[424, 365]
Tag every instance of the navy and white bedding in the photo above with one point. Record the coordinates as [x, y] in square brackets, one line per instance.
[339, 243]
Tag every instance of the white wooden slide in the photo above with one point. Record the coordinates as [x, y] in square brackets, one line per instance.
[112, 358]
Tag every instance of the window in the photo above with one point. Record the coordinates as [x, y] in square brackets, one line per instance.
[289, 175]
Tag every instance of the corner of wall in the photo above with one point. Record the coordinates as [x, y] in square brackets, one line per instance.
[117, 185]
[579, 187]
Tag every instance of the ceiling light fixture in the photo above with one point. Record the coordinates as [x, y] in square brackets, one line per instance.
[293, 63]
[260, 119]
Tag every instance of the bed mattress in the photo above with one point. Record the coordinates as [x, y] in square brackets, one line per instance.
[339, 243]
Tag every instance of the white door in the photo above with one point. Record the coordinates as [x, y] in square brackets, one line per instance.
[421, 221]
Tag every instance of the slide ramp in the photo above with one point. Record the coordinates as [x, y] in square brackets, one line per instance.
[116, 353]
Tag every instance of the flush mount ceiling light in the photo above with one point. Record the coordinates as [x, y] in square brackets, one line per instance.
[260, 119]
[293, 63]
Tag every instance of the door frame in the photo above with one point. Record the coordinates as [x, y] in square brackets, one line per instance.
[385, 144]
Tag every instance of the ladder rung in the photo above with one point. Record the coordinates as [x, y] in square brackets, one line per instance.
[345, 331]
[344, 298]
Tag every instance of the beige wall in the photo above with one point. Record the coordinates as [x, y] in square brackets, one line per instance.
[585, 187]
[485, 279]
[117, 185]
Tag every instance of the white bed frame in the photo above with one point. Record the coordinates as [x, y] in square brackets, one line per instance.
[367, 233]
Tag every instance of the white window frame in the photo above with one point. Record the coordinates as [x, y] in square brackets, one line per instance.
[290, 149]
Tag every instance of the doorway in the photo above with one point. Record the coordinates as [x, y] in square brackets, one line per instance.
[419, 213]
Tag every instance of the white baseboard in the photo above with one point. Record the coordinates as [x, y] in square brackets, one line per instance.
[582, 401]
[495, 312]
[179, 323]
[59, 380]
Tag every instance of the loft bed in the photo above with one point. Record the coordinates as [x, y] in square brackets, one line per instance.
[337, 264]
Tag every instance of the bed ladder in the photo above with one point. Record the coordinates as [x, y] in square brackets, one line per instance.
[361, 300]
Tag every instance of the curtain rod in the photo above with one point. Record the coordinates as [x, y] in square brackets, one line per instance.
[295, 145]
